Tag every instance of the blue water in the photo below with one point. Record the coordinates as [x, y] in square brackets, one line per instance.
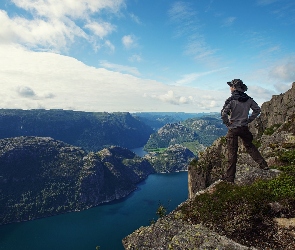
[104, 225]
[139, 151]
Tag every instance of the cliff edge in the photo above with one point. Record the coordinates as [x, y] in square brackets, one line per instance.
[258, 212]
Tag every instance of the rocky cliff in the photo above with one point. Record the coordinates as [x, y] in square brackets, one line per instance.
[258, 212]
[40, 177]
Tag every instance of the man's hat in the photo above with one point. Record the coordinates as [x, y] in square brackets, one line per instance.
[238, 85]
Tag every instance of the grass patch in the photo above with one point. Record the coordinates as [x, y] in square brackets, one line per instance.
[256, 143]
[243, 213]
[288, 157]
[157, 150]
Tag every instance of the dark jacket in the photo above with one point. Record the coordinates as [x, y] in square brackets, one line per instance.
[235, 111]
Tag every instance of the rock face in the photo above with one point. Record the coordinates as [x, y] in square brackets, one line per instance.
[41, 177]
[174, 158]
[279, 110]
[275, 136]
[171, 232]
[92, 131]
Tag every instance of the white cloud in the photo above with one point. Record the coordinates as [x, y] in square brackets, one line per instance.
[25, 91]
[119, 68]
[285, 70]
[53, 34]
[282, 88]
[48, 80]
[28, 92]
[54, 25]
[260, 93]
[135, 18]
[200, 50]
[170, 97]
[69, 8]
[135, 58]
[190, 78]
[100, 29]
[129, 41]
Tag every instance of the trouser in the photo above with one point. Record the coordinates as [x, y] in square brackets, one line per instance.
[232, 144]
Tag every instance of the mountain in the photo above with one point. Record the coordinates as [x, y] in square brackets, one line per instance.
[208, 128]
[172, 159]
[92, 131]
[157, 120]
[42, 177]
[257, 212]
[193, 133]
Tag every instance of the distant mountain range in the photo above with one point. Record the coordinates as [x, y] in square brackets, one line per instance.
[57, 161]
[92, 131]
[156, 120]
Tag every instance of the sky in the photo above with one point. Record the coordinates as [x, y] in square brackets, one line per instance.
[143, 55]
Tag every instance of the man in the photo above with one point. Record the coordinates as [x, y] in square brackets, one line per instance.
[235, 115]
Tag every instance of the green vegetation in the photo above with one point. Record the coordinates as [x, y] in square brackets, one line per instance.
[272, 129]
[174, 158]
[243, 213]
[161, 211]
[158, 150]
[194, 146]
[288, 156]
[256, 143]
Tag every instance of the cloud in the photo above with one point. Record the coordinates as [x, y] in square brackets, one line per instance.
[70, 8]
[187, 26]
[283, 11]
[119, 68]
[190, 78]
[260, 93]
[101, 29]
[135, 58]
[54, 25]
[54, 81]
[129, 41]
[25, 91]
[282, 88]
[110, 46]
[285, 70]
[28, 92]
[184, 17]
[135, 18]
[229, 21]
[170, 97]
[199, 50]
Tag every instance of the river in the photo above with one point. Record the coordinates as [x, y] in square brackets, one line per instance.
[105, 225]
